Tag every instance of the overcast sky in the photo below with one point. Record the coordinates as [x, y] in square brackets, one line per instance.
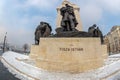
[19, 18]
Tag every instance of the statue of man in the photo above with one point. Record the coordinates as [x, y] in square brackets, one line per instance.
[42, 30]
[69, 21]
[92, 29]
[98, 33]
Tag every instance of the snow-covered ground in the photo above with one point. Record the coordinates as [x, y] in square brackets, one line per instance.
[28, 71]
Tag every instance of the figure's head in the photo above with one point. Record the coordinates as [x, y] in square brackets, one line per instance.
[66, 5]
[97, 27]
[94, 25]
[41, 22]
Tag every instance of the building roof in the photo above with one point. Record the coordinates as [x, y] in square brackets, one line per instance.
[114, 28]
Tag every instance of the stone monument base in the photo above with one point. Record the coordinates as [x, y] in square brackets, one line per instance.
[69, 54]
[73, 34]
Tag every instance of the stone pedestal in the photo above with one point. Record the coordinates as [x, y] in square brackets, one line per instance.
[76, 11]
[69, 54]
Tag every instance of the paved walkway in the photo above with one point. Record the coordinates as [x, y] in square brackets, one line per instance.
[5, 74]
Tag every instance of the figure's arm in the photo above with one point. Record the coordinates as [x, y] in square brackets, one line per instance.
[36, 29]
[62, 11]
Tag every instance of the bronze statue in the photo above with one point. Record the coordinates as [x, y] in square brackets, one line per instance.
[95, 32]
[92, 29]
[69, 21]
[42, 30]
[98, 33]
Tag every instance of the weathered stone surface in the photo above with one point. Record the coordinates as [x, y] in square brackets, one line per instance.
[73, 34]
[69, 54]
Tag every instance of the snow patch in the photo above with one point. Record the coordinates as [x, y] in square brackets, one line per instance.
[110, 69]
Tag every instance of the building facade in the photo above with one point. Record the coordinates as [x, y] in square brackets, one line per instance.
[112, 40]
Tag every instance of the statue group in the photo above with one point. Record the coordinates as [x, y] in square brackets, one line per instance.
[95, 32]
[69, 21]
[42, 30]
[68, 27]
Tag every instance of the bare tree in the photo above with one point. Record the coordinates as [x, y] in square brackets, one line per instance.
[25, 47]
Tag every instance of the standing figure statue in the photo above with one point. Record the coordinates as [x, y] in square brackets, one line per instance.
[42, 30]
[69, 21]
[92, 29]
[98, 33]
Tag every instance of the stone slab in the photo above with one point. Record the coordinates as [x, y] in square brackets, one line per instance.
[69, 54]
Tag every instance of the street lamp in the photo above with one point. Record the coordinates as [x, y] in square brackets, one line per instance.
[4, 42]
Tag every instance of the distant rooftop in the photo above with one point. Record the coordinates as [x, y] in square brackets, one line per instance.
[114, 28]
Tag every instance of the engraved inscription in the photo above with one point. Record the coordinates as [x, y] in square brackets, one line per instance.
[71, 49]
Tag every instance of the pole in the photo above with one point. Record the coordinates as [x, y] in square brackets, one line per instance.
[4, 42]
[65, 0]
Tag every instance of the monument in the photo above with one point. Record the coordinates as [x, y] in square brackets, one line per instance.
[70, 49]
[76, 13]
[42, 30]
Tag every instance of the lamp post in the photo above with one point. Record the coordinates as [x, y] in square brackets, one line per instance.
[4, 42]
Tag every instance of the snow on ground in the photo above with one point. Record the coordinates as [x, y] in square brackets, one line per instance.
[10, 58]
[115, 56]
[109, 71]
